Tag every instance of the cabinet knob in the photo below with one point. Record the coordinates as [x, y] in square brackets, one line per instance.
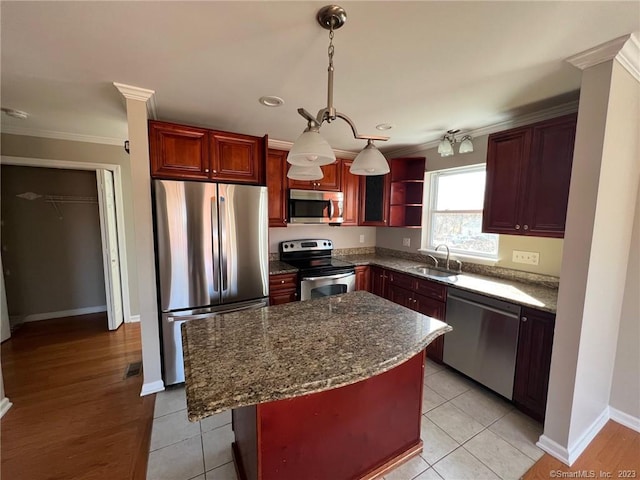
[526, 227]
[281, 281]
[517, 227]
[215, 171]
[524, 319]
[206, 170]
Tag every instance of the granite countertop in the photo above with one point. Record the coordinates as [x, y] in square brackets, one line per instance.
[277, 267]
[298, 348]
[528, 294]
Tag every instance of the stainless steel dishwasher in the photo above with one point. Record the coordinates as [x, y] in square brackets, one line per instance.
[484, 339]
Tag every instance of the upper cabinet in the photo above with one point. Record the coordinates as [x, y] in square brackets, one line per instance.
[528, 175]
[351, 192]
[190, 153]
[374, 200]
[277, 187]
[407, 184]
[329, 182]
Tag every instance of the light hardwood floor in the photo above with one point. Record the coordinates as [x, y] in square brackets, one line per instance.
[614, 453]
[74, 416]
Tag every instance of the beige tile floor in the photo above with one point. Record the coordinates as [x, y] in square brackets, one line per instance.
[468, 433]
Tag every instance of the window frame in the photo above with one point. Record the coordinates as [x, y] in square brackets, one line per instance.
[430, 193]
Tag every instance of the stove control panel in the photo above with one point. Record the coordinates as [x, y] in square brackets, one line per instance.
[306, 245]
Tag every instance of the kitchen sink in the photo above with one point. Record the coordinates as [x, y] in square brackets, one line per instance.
[434, 272]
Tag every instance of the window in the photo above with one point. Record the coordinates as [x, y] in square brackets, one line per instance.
[454, 213]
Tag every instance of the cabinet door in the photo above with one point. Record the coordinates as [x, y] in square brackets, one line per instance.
[286, 296]
[379, 281]
[237, 158]
[533, 362]
[549, 176]
[178, 152]
[507, 158]
[351, 192]
[330, 180]
[277, 187]
[363, 278]
[374, 200]
[401, 297]
[436, 309]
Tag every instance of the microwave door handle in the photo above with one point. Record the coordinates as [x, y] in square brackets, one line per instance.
[328, 277]
[331, 209]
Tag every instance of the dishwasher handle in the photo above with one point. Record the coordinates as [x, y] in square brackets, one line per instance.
[485, 307]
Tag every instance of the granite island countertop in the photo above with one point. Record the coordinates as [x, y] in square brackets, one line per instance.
[533, 295]
[284, 351]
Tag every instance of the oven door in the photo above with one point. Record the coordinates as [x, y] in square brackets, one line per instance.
[325, 285]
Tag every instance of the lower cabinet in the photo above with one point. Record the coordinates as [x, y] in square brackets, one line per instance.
[533, 362]
[283, 288]
[363, 278]
[423, 296]
[378, 278]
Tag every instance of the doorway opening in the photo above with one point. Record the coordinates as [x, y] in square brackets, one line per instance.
[63, 244]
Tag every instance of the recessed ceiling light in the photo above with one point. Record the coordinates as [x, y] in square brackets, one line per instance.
[15, 113]
[384, 126]
[271, 101]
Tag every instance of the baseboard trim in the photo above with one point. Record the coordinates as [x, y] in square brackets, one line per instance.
[152, 387]
[571, 454]
[34, 317]
[625, 419]
[5, 405]
[133, 319]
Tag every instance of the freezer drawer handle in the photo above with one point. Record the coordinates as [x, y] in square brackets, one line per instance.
[485, 307]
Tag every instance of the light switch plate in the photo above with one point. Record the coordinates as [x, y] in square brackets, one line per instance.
[361, 238]
[529, 258]
[406, 242]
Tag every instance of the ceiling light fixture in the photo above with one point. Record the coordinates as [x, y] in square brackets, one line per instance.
[271, 101]
[310, 149]
[445, 147]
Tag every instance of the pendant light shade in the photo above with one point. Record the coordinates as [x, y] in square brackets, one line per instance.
[445, 149]
[369, 162]
[465, 145]
[298, 172]
[311, 149]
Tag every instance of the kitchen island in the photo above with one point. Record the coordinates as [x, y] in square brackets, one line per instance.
[327, 388]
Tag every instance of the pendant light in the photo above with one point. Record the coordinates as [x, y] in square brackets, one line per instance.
[445, 147]
[310, 149]
[299, 172]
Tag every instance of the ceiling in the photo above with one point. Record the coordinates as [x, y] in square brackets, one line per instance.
[423, 67]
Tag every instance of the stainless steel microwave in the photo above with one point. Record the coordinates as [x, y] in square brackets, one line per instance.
[313, 206]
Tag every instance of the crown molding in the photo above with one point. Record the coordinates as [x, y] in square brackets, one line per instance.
[74, 137]
[596, 55]
[284, 145]
[629, 56]
[517, 121]
[141, 94]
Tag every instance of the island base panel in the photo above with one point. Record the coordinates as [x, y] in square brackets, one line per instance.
[353, 432]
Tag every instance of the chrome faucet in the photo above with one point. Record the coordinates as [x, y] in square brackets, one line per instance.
[447, 249]
[435, 260]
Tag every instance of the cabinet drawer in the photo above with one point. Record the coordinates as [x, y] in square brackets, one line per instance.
[402, 280]
[285, 281]
[432, 290]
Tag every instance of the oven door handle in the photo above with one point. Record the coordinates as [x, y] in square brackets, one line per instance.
[328, 277]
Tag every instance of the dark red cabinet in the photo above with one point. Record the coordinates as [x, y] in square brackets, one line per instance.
[528, 176]
[329, 182]
[283, 288]
[277, 187]
[351, 192]
[363, 278]
[533, 362]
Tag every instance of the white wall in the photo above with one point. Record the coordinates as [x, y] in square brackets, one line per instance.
[342, 237]
[602, 200]
[625, 390]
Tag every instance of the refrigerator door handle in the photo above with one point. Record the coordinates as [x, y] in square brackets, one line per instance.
[224, 272]
[215, 246]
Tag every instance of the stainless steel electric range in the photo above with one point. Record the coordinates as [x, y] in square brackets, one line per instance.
[319, 273]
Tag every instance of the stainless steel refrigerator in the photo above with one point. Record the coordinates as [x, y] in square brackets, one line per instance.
[212, 256]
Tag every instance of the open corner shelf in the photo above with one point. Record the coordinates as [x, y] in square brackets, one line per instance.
[407, 183]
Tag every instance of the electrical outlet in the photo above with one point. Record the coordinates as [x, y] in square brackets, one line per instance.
[406, 242]
[361, 238]
[530, 258]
